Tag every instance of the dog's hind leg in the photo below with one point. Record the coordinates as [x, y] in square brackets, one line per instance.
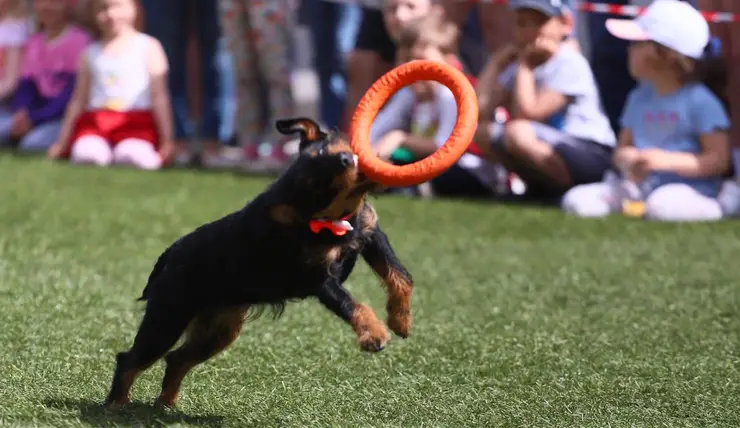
[208, 335]
[160, 329]
[379, 254]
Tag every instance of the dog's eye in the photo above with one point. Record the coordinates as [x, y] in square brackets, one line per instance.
[322, 151]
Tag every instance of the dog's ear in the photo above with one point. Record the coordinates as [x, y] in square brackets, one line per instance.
[310, 131]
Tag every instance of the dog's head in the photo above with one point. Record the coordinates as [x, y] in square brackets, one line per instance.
[325, 181]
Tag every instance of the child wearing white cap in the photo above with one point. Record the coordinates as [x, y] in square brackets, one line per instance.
[673, 150]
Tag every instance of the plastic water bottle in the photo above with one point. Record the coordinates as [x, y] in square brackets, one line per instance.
[632, 196]
[633, 202]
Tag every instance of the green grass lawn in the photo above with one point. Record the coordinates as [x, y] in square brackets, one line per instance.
[522, 316]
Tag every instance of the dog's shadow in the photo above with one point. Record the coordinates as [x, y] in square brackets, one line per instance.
[133, 414]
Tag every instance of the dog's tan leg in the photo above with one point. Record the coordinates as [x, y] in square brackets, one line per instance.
[207, 336]
[398, 305]
[379, 254]
[371, 332]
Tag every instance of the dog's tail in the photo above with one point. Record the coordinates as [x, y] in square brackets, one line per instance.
[158, 269]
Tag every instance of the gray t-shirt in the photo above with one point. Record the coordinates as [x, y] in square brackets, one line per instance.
[569, 73]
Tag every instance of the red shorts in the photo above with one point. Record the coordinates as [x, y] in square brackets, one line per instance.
[116, 126]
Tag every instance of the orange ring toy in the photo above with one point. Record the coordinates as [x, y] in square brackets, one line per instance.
[435, 164]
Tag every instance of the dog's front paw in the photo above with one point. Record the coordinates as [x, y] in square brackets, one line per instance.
[399, 321]
[371, 332]
[374, 341]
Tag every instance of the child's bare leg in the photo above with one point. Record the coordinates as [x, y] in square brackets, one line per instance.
[522, 143]
[91, 149]
[484, 140]
[137, 152]
[385, 148]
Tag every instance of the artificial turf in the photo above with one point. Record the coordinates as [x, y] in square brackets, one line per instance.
[522, 316]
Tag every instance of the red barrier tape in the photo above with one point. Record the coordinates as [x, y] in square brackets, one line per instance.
[615, 9]
[630, 10]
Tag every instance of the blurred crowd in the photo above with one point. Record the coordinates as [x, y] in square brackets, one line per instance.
[600, 113]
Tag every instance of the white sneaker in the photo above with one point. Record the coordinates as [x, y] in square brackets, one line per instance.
[729, 198]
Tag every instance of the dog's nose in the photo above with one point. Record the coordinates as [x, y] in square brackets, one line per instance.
[346, 159]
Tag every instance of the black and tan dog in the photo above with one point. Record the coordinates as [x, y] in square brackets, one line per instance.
[300, 238]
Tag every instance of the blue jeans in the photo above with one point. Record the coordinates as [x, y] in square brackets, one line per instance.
[38, 139]
[334, 28]
[6, 124]
[167, 21]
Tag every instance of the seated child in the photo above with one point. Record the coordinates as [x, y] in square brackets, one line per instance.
[48, 75]
[673, 149]
[558, 135]
[120, 112]
[419, 118]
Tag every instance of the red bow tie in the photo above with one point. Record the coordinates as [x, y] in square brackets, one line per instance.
[337, 227]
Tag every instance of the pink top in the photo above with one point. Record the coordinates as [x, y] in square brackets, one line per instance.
[48, 74]
[45, 60]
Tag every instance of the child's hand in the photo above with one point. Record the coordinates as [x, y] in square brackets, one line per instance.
[21, 124]
[539, 52]
[56, 150]
[389, 143]
[546, 46]
[624, 157]
[647, 161]
[432, 54]
[167, 151]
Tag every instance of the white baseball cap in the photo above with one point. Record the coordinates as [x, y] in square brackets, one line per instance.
[672, 23]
